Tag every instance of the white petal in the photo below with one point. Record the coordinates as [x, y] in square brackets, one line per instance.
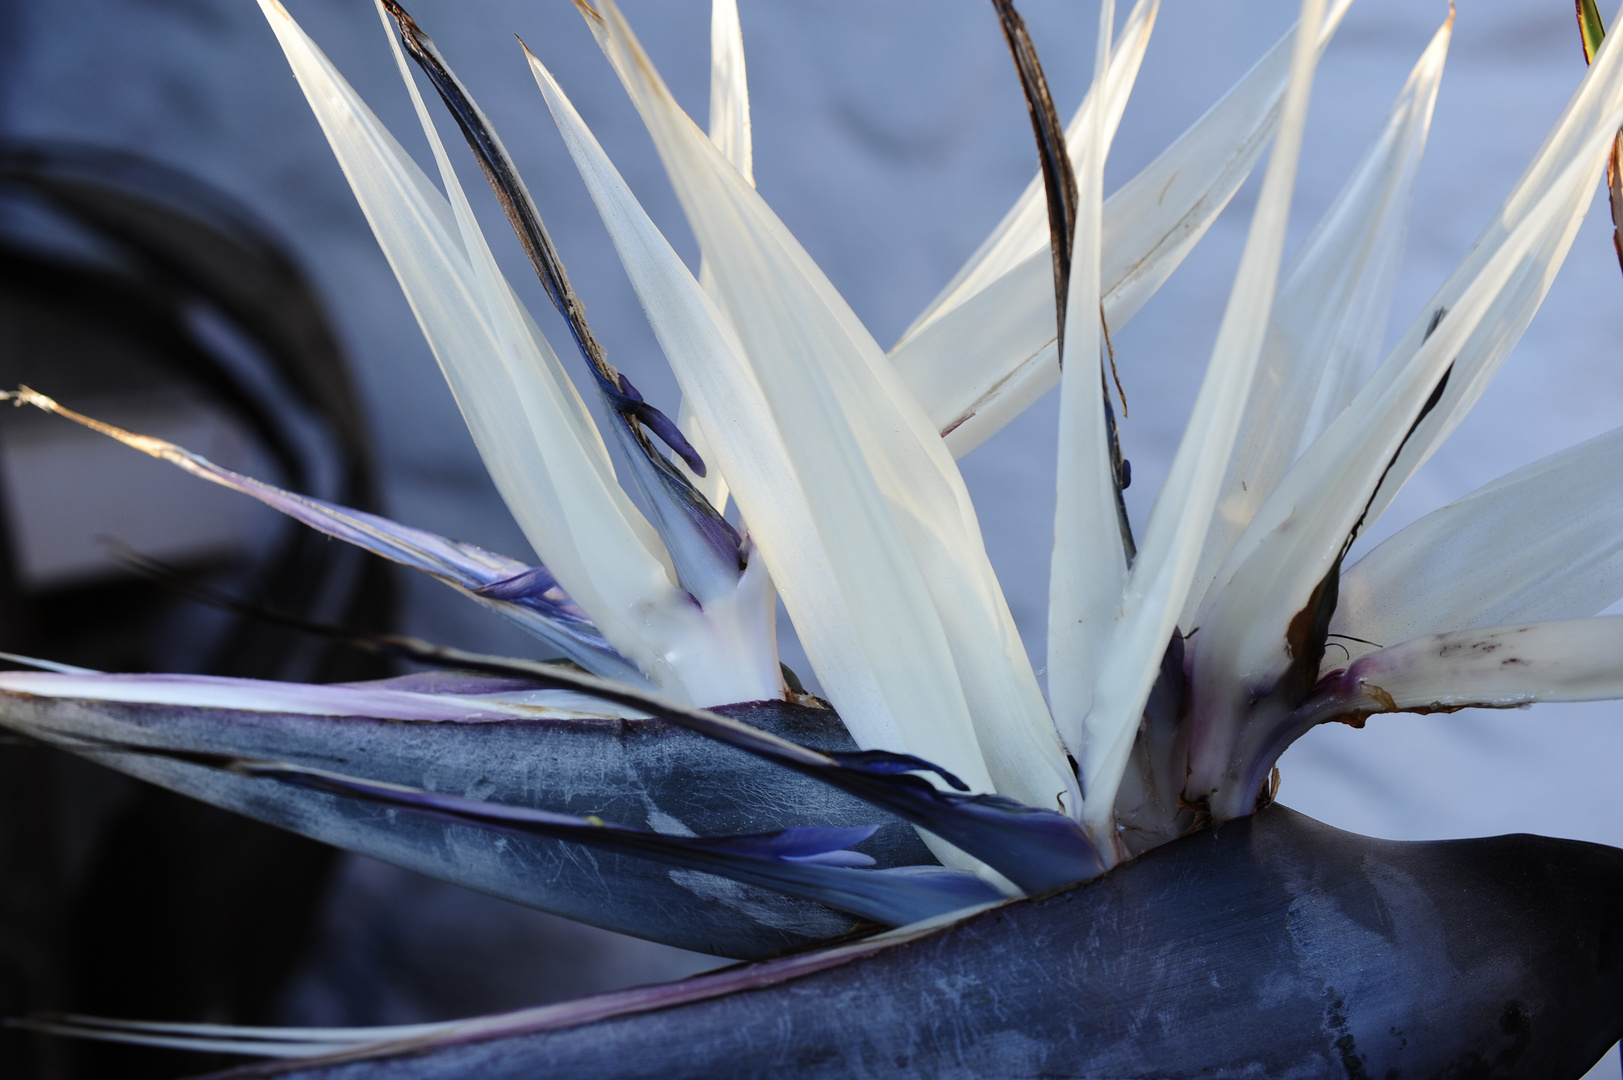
[1545, 542]
[1330, 315]
[1165, 566]
[1597, 97]
[724, 649]
[531, 427]
[1165, 210]
[981, 363]
[1024, 229]
[1301, 530]
[1496, 667]
[839, 605]
[729, 89]
[730, 131]
[1089, 566]
[897, 514]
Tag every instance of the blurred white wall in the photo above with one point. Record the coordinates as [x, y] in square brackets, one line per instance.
[890, 137]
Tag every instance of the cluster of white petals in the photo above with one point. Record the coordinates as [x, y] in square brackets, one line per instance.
[840, 456]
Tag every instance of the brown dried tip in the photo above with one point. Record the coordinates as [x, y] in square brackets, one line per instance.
[1059, 182]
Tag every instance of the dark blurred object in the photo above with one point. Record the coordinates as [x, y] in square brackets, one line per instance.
[143, 297]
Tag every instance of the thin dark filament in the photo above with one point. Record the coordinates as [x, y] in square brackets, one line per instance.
[1110, 351]
[1425, 411]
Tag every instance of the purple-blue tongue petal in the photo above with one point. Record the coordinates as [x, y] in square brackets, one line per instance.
[661, 425]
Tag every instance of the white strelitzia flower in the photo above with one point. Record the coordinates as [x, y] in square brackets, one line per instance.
[1181, 661]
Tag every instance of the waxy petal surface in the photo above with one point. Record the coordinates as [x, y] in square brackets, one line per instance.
[976, 367]
[526, 417]
[1330, 316]
[528, 595]
[1339, 485]
[1165, 567]
[1089, 566]
[945, 655]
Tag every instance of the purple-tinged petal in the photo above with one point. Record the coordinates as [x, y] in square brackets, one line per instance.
[661, 425]
[808, 843]
[543, 610]
[447, 682]
[1036, 849]
[1495, 667]
[534, 583]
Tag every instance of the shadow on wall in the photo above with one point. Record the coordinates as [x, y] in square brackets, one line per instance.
[150, 300]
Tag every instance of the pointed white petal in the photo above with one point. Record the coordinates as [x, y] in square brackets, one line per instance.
[729, 89]
[1023, 231]
[1330, 315]
[730, 131]
[978, 365]
[1089, 566]
[1165, 565]
[725, 649]
[1489, 300]
[1304, 526]
[530, 426]
[523, 349]
[1545, 542]
[1165, 210]
[898, 512]
[845, 612]
[1596, 97]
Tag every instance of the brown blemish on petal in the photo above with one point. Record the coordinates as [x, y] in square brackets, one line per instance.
[1385, 700]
